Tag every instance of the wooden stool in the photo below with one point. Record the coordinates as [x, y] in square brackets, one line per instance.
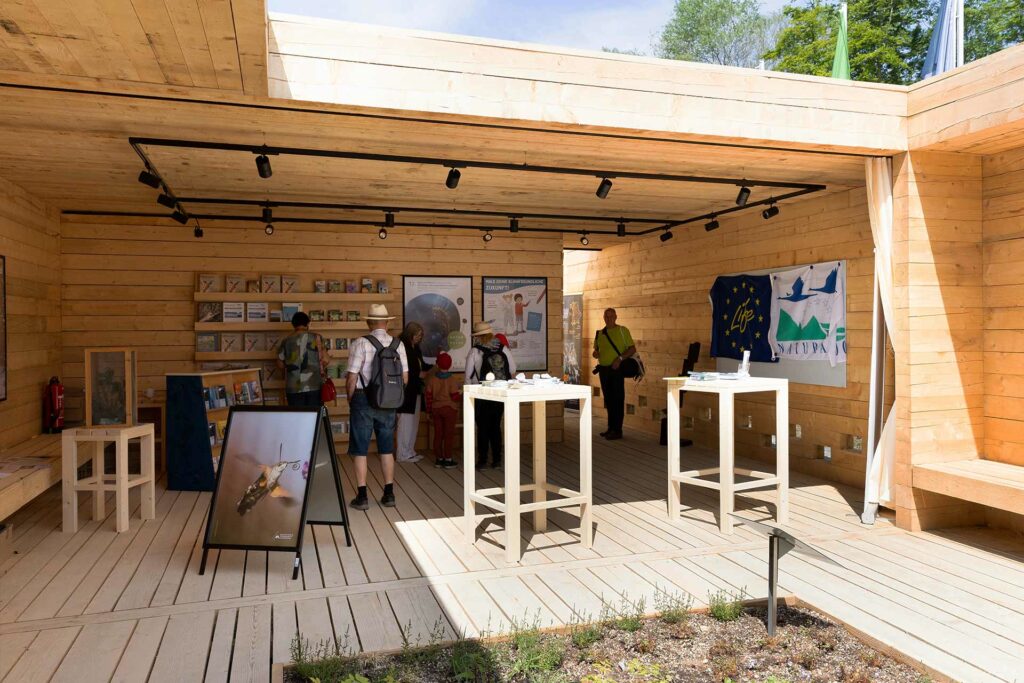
[95, 438]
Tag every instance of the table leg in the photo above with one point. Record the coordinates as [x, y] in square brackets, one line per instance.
[782, 454]
[586, 473]
[99, 510]
[147, 453]
[726, 457]
[121, 483]
[468, 466]
[673, 453]
[512, 481]
[69, 477]
[540, 466]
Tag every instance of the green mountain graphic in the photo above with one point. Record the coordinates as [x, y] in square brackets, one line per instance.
[789, 330]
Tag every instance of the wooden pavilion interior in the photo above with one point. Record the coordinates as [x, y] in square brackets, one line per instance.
[360, 121]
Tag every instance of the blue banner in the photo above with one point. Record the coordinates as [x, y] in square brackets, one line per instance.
[741, 317]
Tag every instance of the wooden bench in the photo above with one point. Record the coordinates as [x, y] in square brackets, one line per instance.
[995, 484]
[26, 470]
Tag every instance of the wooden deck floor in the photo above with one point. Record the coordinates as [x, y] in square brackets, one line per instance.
[97, 605]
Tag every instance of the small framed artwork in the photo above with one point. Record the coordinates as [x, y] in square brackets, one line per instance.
[110, 380]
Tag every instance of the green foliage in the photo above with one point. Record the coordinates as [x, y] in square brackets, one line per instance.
[585, 635]
[473, 663]
[728, 32]
[991, 25]
[627, 616]
[725, 605]
[533, 654]
[674, 608]
[324, 661]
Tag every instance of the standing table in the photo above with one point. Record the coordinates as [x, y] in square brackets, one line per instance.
[726, 470]
[512, 508]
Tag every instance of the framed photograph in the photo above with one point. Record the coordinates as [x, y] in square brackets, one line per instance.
[518, 308]
[444, 306]
[3, 328]
[110, 380]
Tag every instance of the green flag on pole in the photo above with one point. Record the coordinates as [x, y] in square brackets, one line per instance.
[841, 62]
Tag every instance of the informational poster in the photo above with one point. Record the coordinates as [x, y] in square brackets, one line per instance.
[809, 313]
[517, 307]
[572, 341]
[444, 306]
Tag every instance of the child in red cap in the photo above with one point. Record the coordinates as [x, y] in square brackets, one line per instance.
[443, 396]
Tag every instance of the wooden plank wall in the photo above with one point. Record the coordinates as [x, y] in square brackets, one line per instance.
[660, 291]
[131, 282]
[30, 241]
[939, 306]
[1003, 188]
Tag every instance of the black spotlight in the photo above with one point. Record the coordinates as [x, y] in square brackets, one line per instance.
[665, 236]
[151, 179]
[268, 214]
[389, 220]
[383, 234]
[488, 236]
[620, 229]
[269, 229]
[711, 225]
[167, 200]
[263, 166]
[198, 232]
[770, 212]
[180, 216]
[743, 196]
[604, 188]
[452, 181]
[584, 240]
[513, 225]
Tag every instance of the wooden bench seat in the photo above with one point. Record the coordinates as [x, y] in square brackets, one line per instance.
[995, 484]
[26, 470]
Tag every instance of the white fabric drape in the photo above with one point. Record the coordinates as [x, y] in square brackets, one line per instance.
[878, 174]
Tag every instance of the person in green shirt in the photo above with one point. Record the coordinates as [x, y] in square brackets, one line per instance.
[612, 345]
[303, 358]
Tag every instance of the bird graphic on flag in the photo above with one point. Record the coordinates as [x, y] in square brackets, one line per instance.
[741, 317]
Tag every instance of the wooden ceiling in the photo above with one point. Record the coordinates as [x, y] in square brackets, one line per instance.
[218, 44]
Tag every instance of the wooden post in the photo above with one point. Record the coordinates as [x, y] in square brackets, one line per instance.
[147, 456]
[782, 453]
[121, 482]
[674, 492]
[98, 470]
[727, 457]
[540, 473]
[586, 470]
[469, 465]
[512, 481]
[69, 475]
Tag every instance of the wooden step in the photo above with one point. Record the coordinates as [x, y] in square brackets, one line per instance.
[995, 484]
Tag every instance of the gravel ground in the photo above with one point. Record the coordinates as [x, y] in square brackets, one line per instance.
[806, 648]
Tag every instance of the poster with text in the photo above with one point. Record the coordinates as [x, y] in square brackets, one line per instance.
[444, 306]
[572, 341]
[518, 308]
[808, 318]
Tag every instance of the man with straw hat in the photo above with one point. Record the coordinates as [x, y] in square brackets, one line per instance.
[366, 420]
[488, 356]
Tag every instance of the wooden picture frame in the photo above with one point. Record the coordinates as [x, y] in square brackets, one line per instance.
[110, 382]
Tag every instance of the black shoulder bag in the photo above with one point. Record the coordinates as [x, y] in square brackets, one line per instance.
[630, 367]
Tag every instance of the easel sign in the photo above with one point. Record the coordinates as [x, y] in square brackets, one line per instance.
[277, 473]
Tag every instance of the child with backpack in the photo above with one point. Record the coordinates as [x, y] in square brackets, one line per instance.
[443, 396]
[378, 371]
[488, 356]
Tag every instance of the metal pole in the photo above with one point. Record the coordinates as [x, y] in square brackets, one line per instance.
[773, 582]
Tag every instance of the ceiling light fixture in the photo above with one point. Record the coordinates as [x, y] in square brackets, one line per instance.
[743, 196]
[269, 229]
[584, 240]
[383, 234]
[712, 224]
[389, 220]
[180, 216]
[665, 236]
[452, 181]
[488, 236]
[167, 200]
[620, 229]
[604, 188]
[770, 212]
[513, 225]
[198, 232]
[263, 166]
[148, 178]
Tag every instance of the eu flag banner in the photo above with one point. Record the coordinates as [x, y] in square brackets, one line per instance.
[741, 317]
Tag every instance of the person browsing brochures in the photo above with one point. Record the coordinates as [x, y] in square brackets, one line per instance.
[612, 345]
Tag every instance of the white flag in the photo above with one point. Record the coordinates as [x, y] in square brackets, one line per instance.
[809, 313]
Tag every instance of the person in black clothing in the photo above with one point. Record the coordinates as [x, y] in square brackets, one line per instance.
[488, 355]
[409, 413]
[612, 345]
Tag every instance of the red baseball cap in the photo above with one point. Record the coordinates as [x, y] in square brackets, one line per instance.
[503, 339]
[444, 361]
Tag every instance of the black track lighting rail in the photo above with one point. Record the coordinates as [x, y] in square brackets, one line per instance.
[138, 143]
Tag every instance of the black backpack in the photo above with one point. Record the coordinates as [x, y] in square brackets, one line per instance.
[494, 361]
[385, 390]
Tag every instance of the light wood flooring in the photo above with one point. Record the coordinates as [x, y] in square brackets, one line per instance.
[97, 605]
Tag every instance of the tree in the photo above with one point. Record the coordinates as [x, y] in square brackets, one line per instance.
[728, 32]
[991, 25]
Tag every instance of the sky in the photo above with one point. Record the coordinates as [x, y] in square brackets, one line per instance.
[586, 24]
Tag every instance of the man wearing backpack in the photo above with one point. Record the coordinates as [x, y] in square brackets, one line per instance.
[488, 355]
[377, 373]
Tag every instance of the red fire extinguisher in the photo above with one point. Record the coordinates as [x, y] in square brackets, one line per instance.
[53, 407]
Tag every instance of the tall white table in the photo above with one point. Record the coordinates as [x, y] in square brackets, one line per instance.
[726, 470]
[512, 507]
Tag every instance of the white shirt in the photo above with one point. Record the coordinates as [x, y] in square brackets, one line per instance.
[361, 354]
[475, 362]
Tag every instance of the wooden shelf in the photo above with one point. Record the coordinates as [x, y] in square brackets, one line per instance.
[316, 326]
[252, 355]
[300, 297]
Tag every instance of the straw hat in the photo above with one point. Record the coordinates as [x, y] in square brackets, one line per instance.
[379, 312]
[481, 328]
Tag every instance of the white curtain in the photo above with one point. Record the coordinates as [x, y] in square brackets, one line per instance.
[878, 172]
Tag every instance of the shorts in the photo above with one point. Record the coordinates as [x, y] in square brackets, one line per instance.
[366, 421]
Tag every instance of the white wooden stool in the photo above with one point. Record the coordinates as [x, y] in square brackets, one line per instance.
[94, 439]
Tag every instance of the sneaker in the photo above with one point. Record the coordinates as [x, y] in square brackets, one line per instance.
[604, 434]
[388, 500]
[360, 503]
[613, 436]
[439, 463]
[415, 457]
[449, 464]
